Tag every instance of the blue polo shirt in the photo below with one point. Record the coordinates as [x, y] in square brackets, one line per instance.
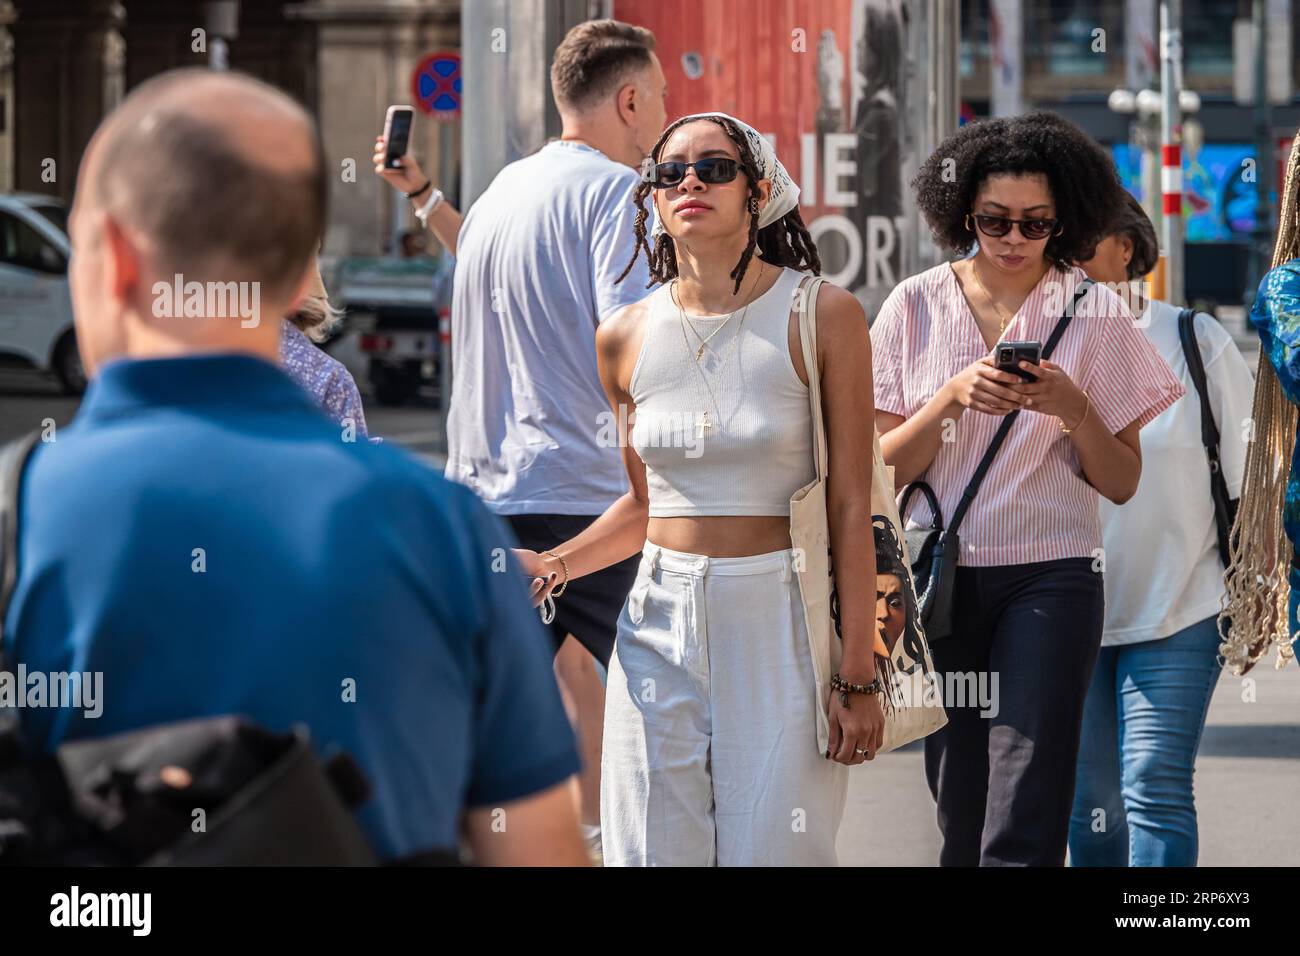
[203, 536]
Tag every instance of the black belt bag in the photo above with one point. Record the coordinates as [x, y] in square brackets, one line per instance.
[934, 551]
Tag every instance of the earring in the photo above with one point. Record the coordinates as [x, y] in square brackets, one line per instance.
[966, 223]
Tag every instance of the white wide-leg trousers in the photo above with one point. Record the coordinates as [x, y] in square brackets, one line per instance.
[710, 749]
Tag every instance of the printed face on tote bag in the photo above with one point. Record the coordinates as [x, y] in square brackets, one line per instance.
[897, 615]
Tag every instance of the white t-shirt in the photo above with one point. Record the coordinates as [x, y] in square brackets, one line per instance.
[1163, 571]
[536, 261]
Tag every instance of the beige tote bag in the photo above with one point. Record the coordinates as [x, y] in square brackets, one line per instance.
[912, 702]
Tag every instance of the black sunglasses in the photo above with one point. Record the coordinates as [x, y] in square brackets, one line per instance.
[998, 226]
[715, 170]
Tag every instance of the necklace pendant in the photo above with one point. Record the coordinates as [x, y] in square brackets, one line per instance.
[699, 353]
[702, 424]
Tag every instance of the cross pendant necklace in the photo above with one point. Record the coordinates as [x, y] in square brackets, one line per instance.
[702, 424]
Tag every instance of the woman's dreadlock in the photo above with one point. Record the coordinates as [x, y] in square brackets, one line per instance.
[785, 242]
[1257, 598]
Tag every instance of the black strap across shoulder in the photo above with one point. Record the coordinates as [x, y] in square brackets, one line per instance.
[1196, 368]
[13, 458]
[1225, 510]
[973, 486]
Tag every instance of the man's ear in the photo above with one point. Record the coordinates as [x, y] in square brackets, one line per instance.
[121, 262]
[625, 100]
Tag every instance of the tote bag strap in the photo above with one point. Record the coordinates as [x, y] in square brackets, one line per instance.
[808, 340]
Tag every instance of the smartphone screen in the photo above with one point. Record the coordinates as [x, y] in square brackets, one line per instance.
[397, 134]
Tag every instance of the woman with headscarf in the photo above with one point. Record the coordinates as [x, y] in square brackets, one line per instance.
[710, 748]
[1264, 578]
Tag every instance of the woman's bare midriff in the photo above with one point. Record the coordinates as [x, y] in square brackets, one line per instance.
[721, 536]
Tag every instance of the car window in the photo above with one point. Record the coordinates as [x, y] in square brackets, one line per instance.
[21, 245]
[56, 214]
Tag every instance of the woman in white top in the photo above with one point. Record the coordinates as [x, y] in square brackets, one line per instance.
[1151, 688]
[710, 752]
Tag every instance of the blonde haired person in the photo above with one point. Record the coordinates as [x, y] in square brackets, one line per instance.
[323, 377]
[1264, 578]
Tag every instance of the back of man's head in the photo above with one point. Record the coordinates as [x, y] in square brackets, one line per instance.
[217, 176]
[596, 58]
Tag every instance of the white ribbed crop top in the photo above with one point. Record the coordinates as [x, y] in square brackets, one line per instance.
[732, 436]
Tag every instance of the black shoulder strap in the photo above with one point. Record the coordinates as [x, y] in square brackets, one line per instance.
[973, 486]
[13, 458]
[1196, 368]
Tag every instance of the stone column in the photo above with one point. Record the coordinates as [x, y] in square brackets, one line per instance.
[67, 71]
[7, 15]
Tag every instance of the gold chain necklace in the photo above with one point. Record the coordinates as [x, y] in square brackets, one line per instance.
[703, 423]
[704, 340]
[1003, 321]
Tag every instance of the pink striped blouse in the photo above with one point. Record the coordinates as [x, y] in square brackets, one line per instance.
[1034, 504]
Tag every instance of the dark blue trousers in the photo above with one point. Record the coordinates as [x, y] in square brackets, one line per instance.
[1002, 770]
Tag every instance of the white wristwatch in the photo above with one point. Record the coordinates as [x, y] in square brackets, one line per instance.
[430, 204]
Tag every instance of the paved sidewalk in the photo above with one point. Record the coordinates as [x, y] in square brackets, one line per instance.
[1247, 785]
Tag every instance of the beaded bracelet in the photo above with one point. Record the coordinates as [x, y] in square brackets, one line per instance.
[845, 688]
[565, 583]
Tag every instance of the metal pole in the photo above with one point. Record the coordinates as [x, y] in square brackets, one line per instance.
[1171, 153]
[1261, 253]
[446, 162]
[222, 21]
[936, 88]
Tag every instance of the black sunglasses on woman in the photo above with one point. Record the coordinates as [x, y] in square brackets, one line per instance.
[998, 226]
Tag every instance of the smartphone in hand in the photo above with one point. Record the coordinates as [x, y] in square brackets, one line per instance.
[397, 134]
[1007, 357]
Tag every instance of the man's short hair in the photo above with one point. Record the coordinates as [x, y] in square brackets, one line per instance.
[203, 203]
[595, 59]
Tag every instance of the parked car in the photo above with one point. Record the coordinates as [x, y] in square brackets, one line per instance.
[395, 306]
[36, 327]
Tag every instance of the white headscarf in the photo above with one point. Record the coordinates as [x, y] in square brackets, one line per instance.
[784, 195]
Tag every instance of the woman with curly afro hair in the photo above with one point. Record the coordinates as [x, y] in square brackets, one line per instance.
[1020, 200]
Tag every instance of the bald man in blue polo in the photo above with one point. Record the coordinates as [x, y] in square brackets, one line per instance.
[211, 543]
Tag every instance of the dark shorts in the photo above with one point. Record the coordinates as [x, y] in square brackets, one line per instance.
[589, 607]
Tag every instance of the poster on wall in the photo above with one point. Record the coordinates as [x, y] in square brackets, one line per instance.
[826, 82]
[1218, 201]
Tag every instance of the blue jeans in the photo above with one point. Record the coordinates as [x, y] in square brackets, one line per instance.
[1142, 726]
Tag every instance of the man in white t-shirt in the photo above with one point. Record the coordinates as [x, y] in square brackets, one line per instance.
[537, 259]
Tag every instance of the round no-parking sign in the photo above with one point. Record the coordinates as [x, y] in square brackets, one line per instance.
[436, 85]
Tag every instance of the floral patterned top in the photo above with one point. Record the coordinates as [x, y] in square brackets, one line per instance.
[324, 378]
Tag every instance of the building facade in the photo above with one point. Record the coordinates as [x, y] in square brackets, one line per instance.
[65, 63]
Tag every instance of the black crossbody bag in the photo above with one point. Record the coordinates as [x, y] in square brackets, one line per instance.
[936, 550]
[1225, 506]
